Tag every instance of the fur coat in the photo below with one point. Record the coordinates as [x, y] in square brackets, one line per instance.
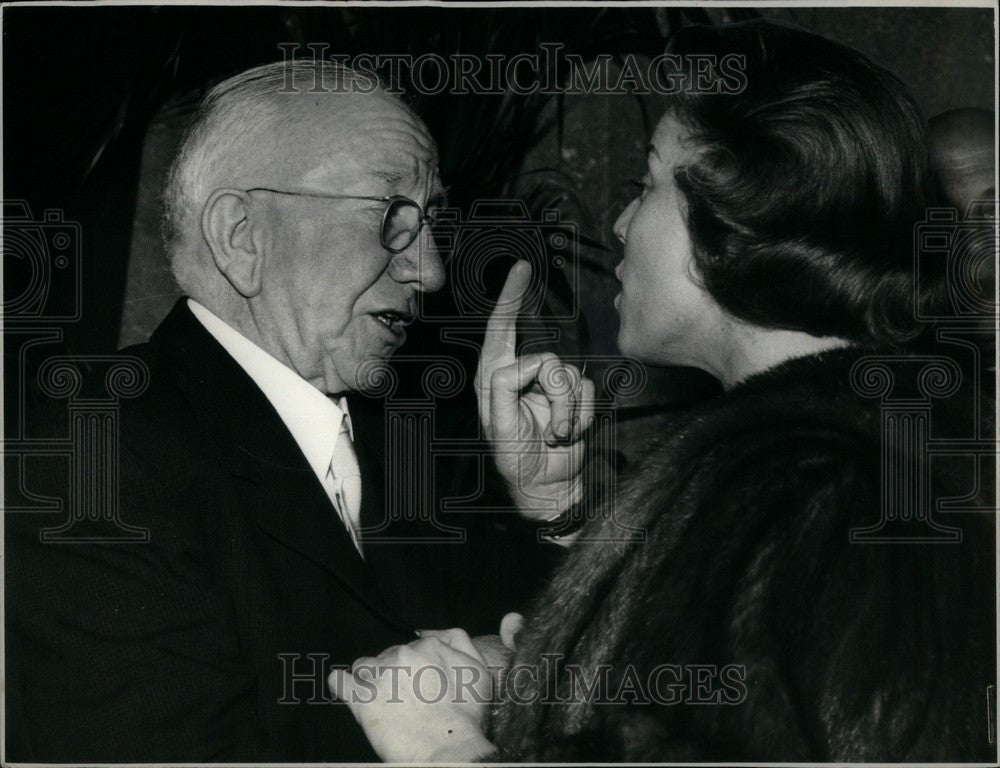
[748, 626]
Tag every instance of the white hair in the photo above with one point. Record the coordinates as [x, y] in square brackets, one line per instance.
[231, 121]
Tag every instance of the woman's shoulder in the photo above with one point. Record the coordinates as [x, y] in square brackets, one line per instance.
[768, 432]
[804, 453]
[757, 554]
[830, 406]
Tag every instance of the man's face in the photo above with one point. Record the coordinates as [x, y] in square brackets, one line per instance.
[333, 299]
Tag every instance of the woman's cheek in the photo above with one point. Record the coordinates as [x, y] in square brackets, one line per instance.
[626, 331]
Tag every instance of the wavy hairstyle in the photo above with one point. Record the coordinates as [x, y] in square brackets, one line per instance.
[806, 184]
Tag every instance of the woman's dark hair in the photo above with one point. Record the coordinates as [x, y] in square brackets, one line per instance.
[806, 184]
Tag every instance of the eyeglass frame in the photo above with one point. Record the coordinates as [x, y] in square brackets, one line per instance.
[425, 218]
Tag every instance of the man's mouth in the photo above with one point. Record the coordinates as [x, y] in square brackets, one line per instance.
[393, 320]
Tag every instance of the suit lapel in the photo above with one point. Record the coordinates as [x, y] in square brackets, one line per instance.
[411, 574]
[270, 473]
[367, 416]
[291, 506]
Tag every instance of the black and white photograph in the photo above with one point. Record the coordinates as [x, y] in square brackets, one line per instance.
[444, 383]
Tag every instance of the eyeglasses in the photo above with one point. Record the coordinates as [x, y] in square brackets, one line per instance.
[401, 222]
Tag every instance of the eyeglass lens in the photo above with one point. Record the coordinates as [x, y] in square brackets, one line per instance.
[402, 223]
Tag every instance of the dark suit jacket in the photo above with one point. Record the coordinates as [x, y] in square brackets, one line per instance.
[194, 646]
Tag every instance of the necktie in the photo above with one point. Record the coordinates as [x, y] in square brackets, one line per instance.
[345, 483]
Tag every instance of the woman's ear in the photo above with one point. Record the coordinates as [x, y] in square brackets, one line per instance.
[233, 240]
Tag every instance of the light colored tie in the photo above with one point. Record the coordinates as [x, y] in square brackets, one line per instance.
[345, 482]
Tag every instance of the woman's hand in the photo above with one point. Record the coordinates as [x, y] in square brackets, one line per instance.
[534, 408]
[423, 702]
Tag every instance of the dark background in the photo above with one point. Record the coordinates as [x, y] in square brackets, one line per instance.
[94, 100]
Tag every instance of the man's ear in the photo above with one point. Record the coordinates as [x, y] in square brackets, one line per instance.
[233, 241]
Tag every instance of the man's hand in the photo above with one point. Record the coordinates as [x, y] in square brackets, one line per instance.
[423, 702]
[535, 410]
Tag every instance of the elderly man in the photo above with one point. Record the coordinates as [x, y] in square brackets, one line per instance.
[964, 155]
[296, 225]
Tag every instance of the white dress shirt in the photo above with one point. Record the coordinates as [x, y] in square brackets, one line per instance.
[313, 418]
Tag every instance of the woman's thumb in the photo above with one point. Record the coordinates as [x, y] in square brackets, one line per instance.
[510, 625]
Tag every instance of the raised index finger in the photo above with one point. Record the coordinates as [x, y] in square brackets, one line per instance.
[500, 342]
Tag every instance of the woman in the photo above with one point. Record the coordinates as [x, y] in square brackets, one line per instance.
[781, 607]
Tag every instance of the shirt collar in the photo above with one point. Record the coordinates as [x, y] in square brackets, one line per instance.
[312, 417]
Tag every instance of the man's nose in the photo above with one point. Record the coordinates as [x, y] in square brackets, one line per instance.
[421, 265]
[621, 225]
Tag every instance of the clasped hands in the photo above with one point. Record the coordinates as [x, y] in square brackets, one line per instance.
[425, 702]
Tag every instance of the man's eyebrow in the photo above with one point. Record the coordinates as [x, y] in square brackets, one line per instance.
[389, 177]
[439, 196]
